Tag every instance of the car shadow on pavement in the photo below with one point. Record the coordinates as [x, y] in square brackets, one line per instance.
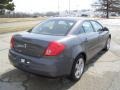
[33, 82]
[92, 61]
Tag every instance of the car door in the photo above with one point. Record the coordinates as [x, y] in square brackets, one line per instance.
[102, 34]
[91, 43]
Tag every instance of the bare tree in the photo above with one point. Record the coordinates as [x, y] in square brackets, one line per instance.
[107, 6]
[6, 5]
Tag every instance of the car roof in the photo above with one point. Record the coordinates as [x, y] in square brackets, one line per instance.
[71, 18]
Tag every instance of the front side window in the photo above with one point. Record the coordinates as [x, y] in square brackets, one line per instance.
[96, 25]
[88, 27]
[54, 27]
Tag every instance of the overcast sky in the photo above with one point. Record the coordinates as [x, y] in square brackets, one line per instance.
[31, 6]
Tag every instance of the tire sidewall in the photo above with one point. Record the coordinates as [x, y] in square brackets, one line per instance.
[73, 77]
[106, 48]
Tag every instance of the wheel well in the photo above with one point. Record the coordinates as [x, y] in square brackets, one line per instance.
[83, 54]
[109, 36]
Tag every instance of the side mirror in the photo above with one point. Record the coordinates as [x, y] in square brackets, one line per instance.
[105, 29]
[30, 30]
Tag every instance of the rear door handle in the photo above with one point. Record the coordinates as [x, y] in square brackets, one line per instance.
[86, 40]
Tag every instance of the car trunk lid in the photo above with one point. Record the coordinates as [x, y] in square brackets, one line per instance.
[33, 44]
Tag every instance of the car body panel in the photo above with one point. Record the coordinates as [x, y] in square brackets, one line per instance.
[103, 36]
[88, 43]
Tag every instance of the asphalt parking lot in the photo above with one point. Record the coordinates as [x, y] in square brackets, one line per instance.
[102, 73]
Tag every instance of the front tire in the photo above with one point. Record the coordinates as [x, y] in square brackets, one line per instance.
[107, 46]
[78, 68]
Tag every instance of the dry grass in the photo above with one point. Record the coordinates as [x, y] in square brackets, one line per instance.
[19, 27]
[14, 29]
[8, 20]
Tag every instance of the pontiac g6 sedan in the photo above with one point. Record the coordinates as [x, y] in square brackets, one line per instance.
[59, 47]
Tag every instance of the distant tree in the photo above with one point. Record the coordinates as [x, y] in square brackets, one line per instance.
[52, 13]
[37, 14]
[6, 5]
[107, 6]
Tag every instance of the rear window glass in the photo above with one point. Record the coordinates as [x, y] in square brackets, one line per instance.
[54, 27]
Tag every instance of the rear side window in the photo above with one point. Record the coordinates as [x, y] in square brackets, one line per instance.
[96, 25]
[88, 27]
[80, 30]
[54, 27]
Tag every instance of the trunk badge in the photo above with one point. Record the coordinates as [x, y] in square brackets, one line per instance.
[25, 45]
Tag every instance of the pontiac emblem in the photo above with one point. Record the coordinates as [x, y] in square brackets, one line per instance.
[25, 45]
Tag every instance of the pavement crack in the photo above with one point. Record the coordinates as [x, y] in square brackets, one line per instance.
[1, 80]
[25, 82]
[114, 52]
[108, 61]
[112, 81]
[4, 81]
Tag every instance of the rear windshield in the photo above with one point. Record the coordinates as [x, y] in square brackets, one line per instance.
[54, 27]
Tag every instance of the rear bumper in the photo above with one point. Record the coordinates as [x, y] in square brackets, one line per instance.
[41, 66]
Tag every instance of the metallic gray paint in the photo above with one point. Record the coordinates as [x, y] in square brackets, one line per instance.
[89, 44]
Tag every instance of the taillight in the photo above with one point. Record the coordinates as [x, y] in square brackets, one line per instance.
[12, 42]
[54, 49]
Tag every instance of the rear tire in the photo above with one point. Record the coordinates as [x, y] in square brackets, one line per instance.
[77, 69]
[107, 46]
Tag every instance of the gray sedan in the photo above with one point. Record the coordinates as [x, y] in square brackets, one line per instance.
[59, 47]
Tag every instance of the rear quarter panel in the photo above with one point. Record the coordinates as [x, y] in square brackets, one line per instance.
[73, 46]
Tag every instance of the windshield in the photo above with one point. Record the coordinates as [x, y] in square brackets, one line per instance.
[54, 27]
